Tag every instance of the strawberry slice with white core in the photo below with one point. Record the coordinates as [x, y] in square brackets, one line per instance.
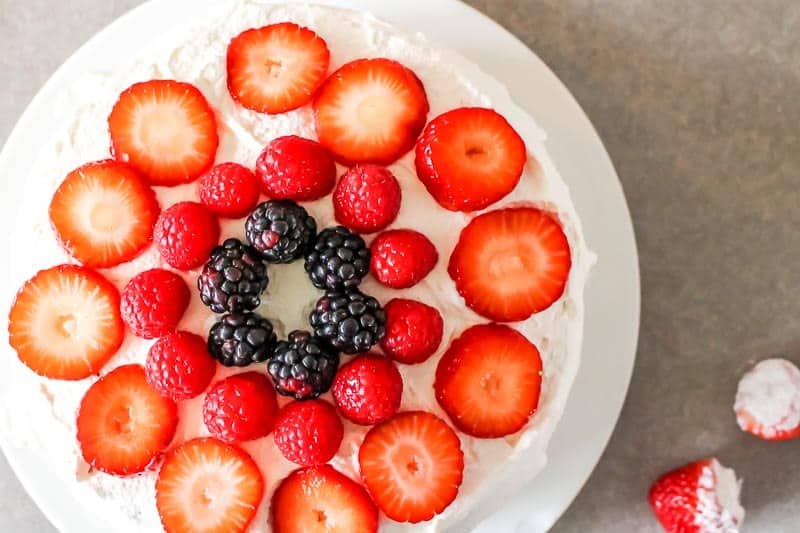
[768, 400]
[103, 213]
[370, 111]
[124, 424]
[207, 486]
[65, 322]
[165, 129]
[276, 68]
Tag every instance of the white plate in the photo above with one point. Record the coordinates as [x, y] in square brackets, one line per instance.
[612, 296]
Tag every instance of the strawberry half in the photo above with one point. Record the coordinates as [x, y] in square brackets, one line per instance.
[768, 400]
[103, 213]
[511, 263]
[65, 322]
[412, 466]
[276, 68]
[489, 381]
[165, 129]
[370, 111]
[207, 486]
[124, 424]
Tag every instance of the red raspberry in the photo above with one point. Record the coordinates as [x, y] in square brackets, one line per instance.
[402, 257]
[241, 407]
[179, 366]
[308, 432]
[413, 331]
[295, 168]
[368, 389]
[229, 190]
[185, 234]
[367, 198]
[153, 303]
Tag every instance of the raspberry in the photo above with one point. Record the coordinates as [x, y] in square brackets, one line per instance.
[153, 303]
[401, 258]
[178, 365]
[229, 190]
[185, 234]
[294, 168]
[309, 432]
[367, 198]
[368, 389]
[241, 407]
[413, 331]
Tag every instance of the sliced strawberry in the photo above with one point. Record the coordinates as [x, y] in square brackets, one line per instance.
[489, 381]
[768, 400]
[65, 322]
[276, 68]
[207, 486]
[469, 158]
[124, 424]
[322, 500]
[511, 263]
[165, 129]
[412, 466]
[370, 111]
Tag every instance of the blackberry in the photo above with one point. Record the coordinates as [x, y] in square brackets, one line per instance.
[240, 339]
[350, 320]
[281, 230]
[303, 366]
[338, 259]
[233, 279]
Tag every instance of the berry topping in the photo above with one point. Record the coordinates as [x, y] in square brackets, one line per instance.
[402, 257]
[370, 111]
[294, 168]
[368, 389]
[469, 158]
[367, 198]
[233, 278]
[65, 322]
[303, 366]
[412, 466]
[281, 230]
[350, 320]
[207, 486]
[178, 366]
[768, 400]
[276, 68]
[240, 339]
[511, 263]
[241, 407]
[123, 424]
[338, 259]
[165, 129]
[103, 213]
[308, 433]
[229, 190]
[185, 234]
[413, 331]
[153, 303]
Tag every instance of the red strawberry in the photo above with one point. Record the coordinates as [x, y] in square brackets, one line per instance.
[153, 302]
[319, 499]
[179, 365]
[412, 466]
[489, 381]
[768, 400]
[511, 263]
[294, 168]
[207, 486]
[402, 257]
[368, 389]
[469, 158]
[701, 497]
[123, 424]
[229, 190]
[103, 213]
[367, 198]
[413, 331]
[276, 68]
[370, 111]
[308, 432]
[185, 235]
[65, 322]
[165, 129]
[241, 407]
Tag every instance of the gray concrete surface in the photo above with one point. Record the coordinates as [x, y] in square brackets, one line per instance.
[699, 106]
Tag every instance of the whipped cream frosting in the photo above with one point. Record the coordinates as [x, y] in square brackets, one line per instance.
[769, 394]
[43, 417]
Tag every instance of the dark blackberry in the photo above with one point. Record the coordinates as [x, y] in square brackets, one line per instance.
[338, 259]
[350, 320]
[240, 339]
[281, 230]
[303, 366]
[233, 279]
